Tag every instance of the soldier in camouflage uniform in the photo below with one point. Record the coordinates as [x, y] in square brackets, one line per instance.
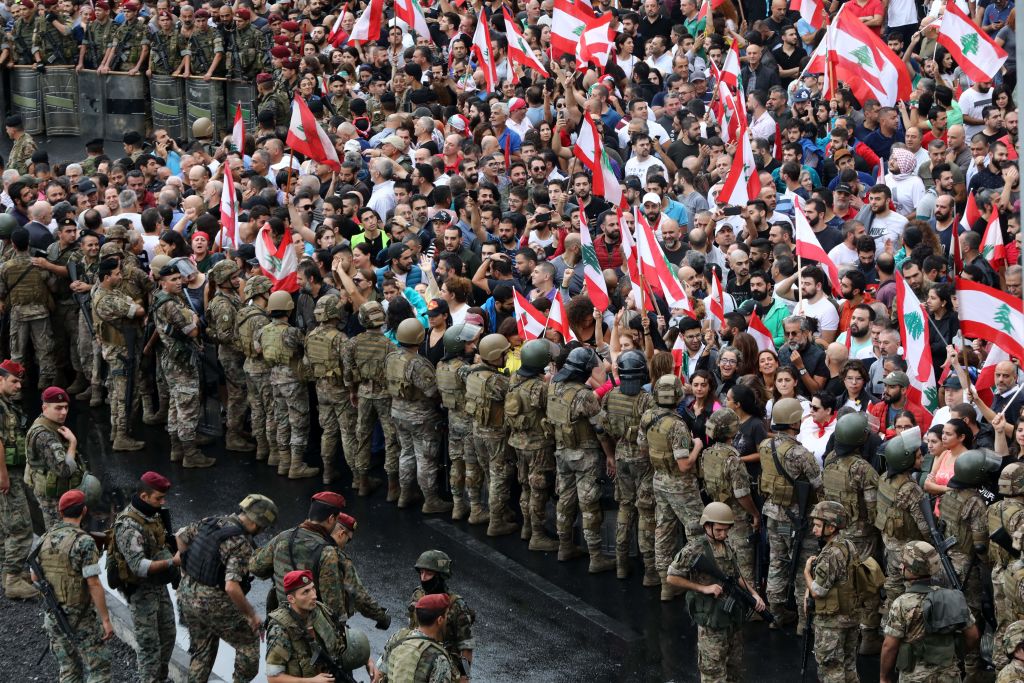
[623, 407]
[925, 652]
[849, 479]
[727, 480]
[178, 327]
[24, 146]
[222, 327]
[416, 414]
[17, 44]
[530, 435]
[418, 654]
[82, 268]
[269, 97]
[215, 553]
[15, 518]
[70, 562]
[64, 318]
[1012, 648]
[435, 570]
[1005, 518]
[129, 43]
[250, 318]
[98, 34]
[52, 454]
[669, 445]
[145, 565]
[363, 370]
[719, 632]
[282, 347]
[25, 295]
[246, 48]
[576, 416]
[783, 462]
[165, 47]
[53, 42]
[337, 415]
[459, 347]
[116, 317]
[205, 49]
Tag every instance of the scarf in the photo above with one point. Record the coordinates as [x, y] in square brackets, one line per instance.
[823, 427]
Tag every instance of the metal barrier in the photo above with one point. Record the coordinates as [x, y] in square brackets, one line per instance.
[244, 92]
[205, 99]
[167, 98]
[59, 85]
[125, 107]
[27, 98]
[92, 102]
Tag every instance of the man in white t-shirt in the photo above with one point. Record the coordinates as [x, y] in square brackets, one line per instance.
[882, 224]
[845, 253]
[972, 102]
[642, 161]
[815, 303]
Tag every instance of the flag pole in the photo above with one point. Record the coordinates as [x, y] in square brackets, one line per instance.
[799, 289]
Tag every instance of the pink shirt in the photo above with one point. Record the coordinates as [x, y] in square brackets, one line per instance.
[943, 473]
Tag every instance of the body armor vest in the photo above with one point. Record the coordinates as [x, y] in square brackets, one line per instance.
[412, 658]
[937, 647]
[303, 642]
[12, 422]
[224, 337]
[248, 321]
[180, 351]
[999, 513]
[275, 352]
[68, 584]
[892, 521]
[485, 411]
[713, 461]
[107, 332]
[396, 372]
[951, 508]
[154, 538]
[202, 559]
[45, 482]
[836, 481]
[1013, 577]
[26, 284]
[319, 344]
[451, 388]
[297, 549]
[525, 421]
[773, 482]
[371, 348]
[569, 433]
[659, 446]
[621, 416]
[842, 598]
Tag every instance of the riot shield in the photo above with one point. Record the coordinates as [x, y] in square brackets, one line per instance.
[167, 97]
[60, 100]
[244, 93]
[27, 98]
[125, 105]
[205, 99]
[91, 102]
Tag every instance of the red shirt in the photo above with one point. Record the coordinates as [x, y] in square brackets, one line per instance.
[869, 9]
[605, 258]
[929, 136]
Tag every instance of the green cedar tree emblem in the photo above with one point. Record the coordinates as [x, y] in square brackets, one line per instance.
[914, 324]
[863, 57]
[1003, 319]
[969, 43]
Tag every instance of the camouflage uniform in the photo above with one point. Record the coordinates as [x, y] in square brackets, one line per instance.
[64, 318]
[337, 415]
[127, 40]
[15, 518]
[411, 655]
[963, 512]
[51, 475]
[165, 52]
[19, 42]
[458, 631]
[905, 620]
[452, 388]
[531, 436]
[21, 153]
[85, 351]
[487, 460]
[178, 362]
[222, 327]
[281, 346]
[209, 613]
[246, 53]
[289, 646]
[836, 616]
[250, 319]
[203, 47]
[363, 368]
[97, 39]
[416, 414]
[55, 47]
[1006, 514]
[1012, 672]
[276, 101]
[114, 315]
[69, 556]
[900, 520]
[25, 291]
[726, 480]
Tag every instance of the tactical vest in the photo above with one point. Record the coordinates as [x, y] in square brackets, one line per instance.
[12, 424]
[892, 521]
[621, 416]
[396, 374]
[26, 284]
[999, 514]
[951, 508]
[303, 643]
[274, 350]
[178, 349]
[154, 539]
[842, 598]
[246, 322]
[713, 468]
[774, 483]
[298, 549]
[1013, 577]
[707, 611]
[836, 480]
[945, 615]
[412, 659]
[659, 445]
[68, 584]
[371, 348]
[569, 433]
[107, 332]
[484, 411]
[451, 388]
[202, 559]
[46, 483]
[223, 337]
[525, 421]
[320, 343]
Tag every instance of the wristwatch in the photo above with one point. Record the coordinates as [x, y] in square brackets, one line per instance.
[803, 371]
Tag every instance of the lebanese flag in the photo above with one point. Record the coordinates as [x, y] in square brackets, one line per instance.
[808, 246]
[992, 247]
[238, 130]
[717, 299]
[337, 36]
[977, 54]
[987, 376]
[367, 26]
[590, 150]
[742, 184]
[726, 110]
[278, 262]
[596, 43]
[954, 244]
[519, 51]
[228, 212]
[529, 320]
[655, 268]
[317, 147]
[730, 73]
[704, 13]
[915, 335]
[811, 11]
[568, 22]
[559, 320]
[484, 54]
[631, 260]
[411, 13]
[756, 329]
[1011, 149]
[991, 314]
[971, 213]
[593, 278]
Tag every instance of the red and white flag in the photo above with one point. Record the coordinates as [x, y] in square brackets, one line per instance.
[717, 299]
[278, 262]
[484, 54]
[808, 246]
[228, 212]
[992, 247]
[338, 35]
[596, 43]
[411, 13]
[916, 350]
[593, 277]
[519, 51]
[531, 322]
[987, 375]
[655, 268]
[979, 56]
[811, 11]
[971, 213]
[631, 260]
[742, 184]
[991, 314]
[368, 25]
[306, 137]
[238, 131]
[730, 73]
[954, 247]
[756, 329]
[590, 150]
[558, 319]
[568, 21]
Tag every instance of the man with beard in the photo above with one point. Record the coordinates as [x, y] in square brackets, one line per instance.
[943, 216]
[674, 249]
[592, 206]
[828, 236]
[853, 286]
[895, 398]
[739, 276]
[757, 222]
[816, 304]
[606, 245]
[312, 288]
[760, 254]
[802, 353]
[859, 331]
[435, 569]
[771, 310]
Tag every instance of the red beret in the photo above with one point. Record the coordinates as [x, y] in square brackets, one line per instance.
[282, 40]
[55, 395]
[435, 602]
[202, 14]
[27, 4]
[292, 64]
[70, 499]
[334, 500]
[280, 51]
[156, 481]
[102, 4]
[297, 579]
[165, 13]
[9, 367]
[290, 25]
[273, 18]
[131, 6]
[243, 13]
[49, 3]
[264, 78]
[347, 521]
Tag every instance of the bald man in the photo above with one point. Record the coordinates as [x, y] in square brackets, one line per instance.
[836, 355]
[568, 269]
[1006, 397]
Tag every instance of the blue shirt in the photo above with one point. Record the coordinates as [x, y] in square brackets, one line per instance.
[676, 212]
[511, 138]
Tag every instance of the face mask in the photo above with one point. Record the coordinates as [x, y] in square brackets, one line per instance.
[434, 585]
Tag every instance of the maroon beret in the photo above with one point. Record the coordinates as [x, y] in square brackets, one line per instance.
[435, 602]
[243, 13]
[156, 481]
[9, 367]
[347, 521]
[70, 499]
[330, 498]
[297, 579]
[264, 78]
[130, 6]
[55, 395]
[280, 51]
[290, 25]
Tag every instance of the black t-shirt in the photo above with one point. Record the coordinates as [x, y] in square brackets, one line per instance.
[675, 257]
[750, 435]
[813, 357]
[829, 238]
[786, 61]
[679, 151]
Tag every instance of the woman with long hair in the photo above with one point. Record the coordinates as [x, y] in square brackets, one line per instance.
[957, 439]
[700, 404]
[624, 56]
[726, 372]
[767, 366]
[933, 449]
[747, 346]
[752, 431]
[943, 320]
[438, 322]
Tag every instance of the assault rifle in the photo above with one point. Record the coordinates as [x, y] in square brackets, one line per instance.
[53, 606]
[733, 591]
[81, 298]
[805, 654]
[941, 544]
[320, 658]
[203, 62]
[161, 52]
[122, 48]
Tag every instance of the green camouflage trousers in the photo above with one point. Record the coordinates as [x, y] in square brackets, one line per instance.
[40, 334]
[88, 352]
[211, 617]
[674, 511]
[65, 328]
[719, 655]
[501, 471]
[418, 455]
[264, 417]
[894, 585]
[835, 651]
[460, 441]
[534, 467]
[369, 412]
[183, 402]
[870, 546]
[48, 506]
[337, 418]
[86, 661]
[576, 481]
[739, 540]
[15, 525]
[780, 548]
[234, 375]
[477, 454]
[291, 406]
[117, 390]
[153, 623]
[634, 492]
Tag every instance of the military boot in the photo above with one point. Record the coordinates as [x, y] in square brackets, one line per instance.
[262, 452]
[368, 484]
[567, 550]
[621, 561]
[123, 442]
[599, 563]
[157, 416]
[394, 488]
[177, 452]
[405, 496]
[541, 542]
[284, 461]
[459, 508]
[526, 533]
[205, 440]
[298, 469]
[194, 457]
[870, 643]
[17, 588]
[80, 384]
[96, 400]
[148, 412]
[435, 504]
[234, 441]
[477, 514]
[783, 616]
[651, 577]
[273, 457]
[499, 527]
[330, 474]
[84, 395]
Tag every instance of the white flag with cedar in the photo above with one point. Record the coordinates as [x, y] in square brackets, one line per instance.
[916, 350]
[991, 314]
[979, 56]
[593, 277]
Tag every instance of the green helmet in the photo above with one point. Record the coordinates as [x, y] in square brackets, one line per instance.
[668, 391]
[410, 332]
[492, 346]
[902, 449]
[8, 223]
[435, 561]
[257, 285]
[1013, 637]
[920, 559]
[787, 412]
[371, 315]
[723, 424]
[116, 233]
[357, 649]
[260, 509]
[280, 301]
[832, 512]
[852, 430]
[1011, 479]
[974, 468]
[456, 336]
[111, 249]
[717, 513]
[223, 271]
[327, 308]
[93, 490]
[535, 354]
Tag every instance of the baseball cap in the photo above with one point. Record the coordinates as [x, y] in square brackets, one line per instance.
[843, 187]
[86, 186]
[516, 103]
[801, 95]
[897, 378]
[437, 307]
[652, 198]
[633, 183]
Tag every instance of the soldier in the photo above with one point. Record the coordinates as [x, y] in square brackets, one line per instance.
[459, 347]
[414, 410]
[52, 454]
[269, 97]
[246, 48]
[98, 34]
[435, 570]
[53, 37]
[82, 268]
[281, 346]
[215, 553]
[178, 327]
[531, 436]
[153, 380]
[849, 479]
[323, 356]
[676, 494]
[145, 564]
[829, 577]
[222, 327]
[726, 480]
[116, 319]
[1012, 648]
[205, 55]
[25, 295]
[364, 374]
[634, 478]
[18, 48]
[785, 466]
[24, 146]
[249, 319]
[64, 317]
[1005, 518]
[719, 622]
[8, 224]
[15, 519]
[129, 43]
[418, 654]
[303, 640]
[165, 47]
[925, 625]
[70, 563]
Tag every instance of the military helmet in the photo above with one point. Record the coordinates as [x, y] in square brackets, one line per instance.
[832, 512]
[202, 128]
[260, 509]
[157, 264]
[357, 649]
[902, 450]
[1013, 637]
[633, 373]
[723, 424]
[371, 315]
[280, 301]
[717, 513]
[327, 308]
[223, 271]
[456, 336]
[492, 346]
[116, 232]
[787, 412]
[668, 391]
[8, 224]
[435, 561]
[580, 361]
[256, 286]
[975, 467]
[1011, 479]
[410, 332]
[110, 249]
[535, 354]
[93, 490]
[920, 559]
[852, 430]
